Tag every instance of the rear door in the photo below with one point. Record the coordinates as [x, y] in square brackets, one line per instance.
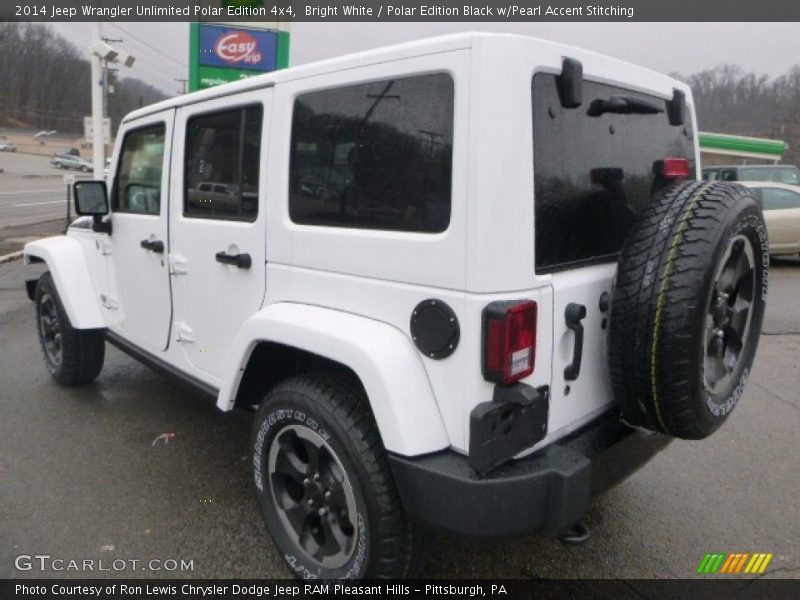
[217, 231]
[593, 175]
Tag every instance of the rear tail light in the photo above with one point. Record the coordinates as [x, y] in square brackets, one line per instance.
[672, 168]
[509, 341]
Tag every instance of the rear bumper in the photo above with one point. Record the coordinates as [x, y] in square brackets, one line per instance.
[548, 491]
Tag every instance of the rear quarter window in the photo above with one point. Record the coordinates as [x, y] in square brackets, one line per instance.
[374, 156]
[594, 174]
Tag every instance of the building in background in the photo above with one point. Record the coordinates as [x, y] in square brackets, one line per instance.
[719, 148]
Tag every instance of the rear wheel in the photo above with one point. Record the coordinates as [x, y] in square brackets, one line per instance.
[324, 484]
[687, 308]
[72, 356]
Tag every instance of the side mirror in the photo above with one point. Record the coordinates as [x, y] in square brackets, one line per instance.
[91, 199]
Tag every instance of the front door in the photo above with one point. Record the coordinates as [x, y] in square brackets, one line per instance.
[217, 233]
[138, 300]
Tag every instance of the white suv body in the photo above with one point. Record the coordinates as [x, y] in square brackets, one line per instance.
[156, 287]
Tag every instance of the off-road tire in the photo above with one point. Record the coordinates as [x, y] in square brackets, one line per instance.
[332, 405]
[670, 299]
[81, 352]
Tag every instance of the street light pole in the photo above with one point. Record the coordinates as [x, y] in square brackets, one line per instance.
[98, 141]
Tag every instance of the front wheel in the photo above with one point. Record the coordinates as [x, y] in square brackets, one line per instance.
[324, 484]
[72, 356]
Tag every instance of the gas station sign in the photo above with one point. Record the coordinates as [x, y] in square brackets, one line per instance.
[238, 48]
[224, 52]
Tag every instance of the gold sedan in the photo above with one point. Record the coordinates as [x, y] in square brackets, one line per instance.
[781, 205]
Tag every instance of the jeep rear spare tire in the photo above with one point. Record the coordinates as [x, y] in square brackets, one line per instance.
[687, 308]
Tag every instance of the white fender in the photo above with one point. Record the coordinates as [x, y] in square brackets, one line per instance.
[67, 265]
[388, 364]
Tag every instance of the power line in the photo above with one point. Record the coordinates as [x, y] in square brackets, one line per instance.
[160, 53]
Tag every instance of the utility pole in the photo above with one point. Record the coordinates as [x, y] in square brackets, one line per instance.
[98, 145]
[183, 83]
[106, 75]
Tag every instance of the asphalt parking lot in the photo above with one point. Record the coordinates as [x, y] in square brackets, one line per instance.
[31, 190]
[80, 476]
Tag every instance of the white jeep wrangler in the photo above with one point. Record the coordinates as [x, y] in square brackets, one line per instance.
[468, 283]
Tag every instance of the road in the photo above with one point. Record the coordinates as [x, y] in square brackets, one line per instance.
[80, 477]
[31, 190]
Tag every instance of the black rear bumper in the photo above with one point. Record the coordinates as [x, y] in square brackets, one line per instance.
[548, 491]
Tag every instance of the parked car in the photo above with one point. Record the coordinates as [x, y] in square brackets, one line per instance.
[68, 161]
[777, 173]
[470, 318]
[7, 147]
[68, 151]
[781, 205]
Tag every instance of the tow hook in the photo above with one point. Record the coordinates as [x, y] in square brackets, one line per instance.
[576, 535]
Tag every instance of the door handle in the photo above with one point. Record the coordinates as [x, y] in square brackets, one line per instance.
[156, 246]
[573, 315]
[242, 261]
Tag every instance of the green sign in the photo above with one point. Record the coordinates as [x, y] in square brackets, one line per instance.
[237, 46]
[741, 146]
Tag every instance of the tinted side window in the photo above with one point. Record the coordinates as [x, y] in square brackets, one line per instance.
[775, 198]
[374, 156]
[593, 173]
[222, 164]
[137, 184]
[728, 175]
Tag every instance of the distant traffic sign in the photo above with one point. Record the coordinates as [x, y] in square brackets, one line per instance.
[88, 130]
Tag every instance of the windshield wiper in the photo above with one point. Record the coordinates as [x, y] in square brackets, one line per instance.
[622, 105]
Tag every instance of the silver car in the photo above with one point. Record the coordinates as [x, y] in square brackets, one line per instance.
[64, 161]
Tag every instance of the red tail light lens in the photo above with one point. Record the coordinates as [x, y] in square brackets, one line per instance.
[509, 341]
[672, 168]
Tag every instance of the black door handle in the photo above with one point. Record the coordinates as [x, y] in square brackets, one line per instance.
[243, 261]
[573, 315]
[156, 246]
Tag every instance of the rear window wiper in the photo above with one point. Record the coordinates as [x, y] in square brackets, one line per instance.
[622, 105]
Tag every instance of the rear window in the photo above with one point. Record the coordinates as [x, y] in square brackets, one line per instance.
[594, 174]
[777, 199]
[778, 174]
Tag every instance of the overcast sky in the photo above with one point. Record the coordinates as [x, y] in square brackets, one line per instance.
[772, 48]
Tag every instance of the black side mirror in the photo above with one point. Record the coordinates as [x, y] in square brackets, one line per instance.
[91, 199]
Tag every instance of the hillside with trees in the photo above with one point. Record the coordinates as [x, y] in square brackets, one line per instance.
[45, 82]
[729, 100]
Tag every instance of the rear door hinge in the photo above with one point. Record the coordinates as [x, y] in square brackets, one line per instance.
[184, 333]
[177, 264]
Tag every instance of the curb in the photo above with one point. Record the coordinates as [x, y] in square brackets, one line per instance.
[9, 257]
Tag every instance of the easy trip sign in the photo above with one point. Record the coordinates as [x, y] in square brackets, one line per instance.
[238, 48]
